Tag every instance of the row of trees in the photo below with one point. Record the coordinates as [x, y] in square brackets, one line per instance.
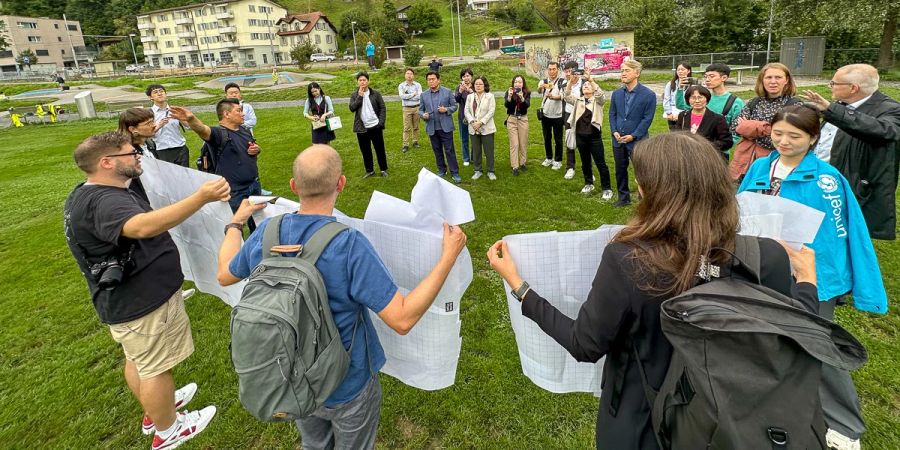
[666, 27]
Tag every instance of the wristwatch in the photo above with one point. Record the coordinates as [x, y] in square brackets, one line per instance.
[519, 293]
[236, 226]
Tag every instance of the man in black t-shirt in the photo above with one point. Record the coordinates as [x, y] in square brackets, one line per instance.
[133, 272]
[235, 148]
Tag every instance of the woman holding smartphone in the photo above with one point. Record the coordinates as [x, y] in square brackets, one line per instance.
[479, 112]
[517, 101]
[462, 92]
[673, 94]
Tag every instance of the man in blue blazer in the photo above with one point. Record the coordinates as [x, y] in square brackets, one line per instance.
[436, 108]
[631, 111]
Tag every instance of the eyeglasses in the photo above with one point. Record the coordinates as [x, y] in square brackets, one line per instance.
[134, 153]
[833, 83]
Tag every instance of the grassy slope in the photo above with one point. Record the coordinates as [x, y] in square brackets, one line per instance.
[60, 379]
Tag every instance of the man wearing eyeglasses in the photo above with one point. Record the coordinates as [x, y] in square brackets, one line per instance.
[860, 138]
[133, 271]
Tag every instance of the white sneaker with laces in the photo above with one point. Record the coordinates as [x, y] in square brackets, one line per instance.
[547, 162]
[189, 425]
[491, 176]
[838, 441]
[182, 397]
[570, 173]
[477, 175]
[587, 189]
[607, 194]
[556, 165]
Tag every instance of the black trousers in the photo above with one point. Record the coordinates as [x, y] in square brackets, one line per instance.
[372, 137]
[175, 155]
[622, 155]
[554, 127]
[590, 146]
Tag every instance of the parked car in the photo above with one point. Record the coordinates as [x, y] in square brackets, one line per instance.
[249, 63]
[321, 57]
[135, 68]
[347, 57]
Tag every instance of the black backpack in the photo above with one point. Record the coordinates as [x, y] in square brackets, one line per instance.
[209, 156]
[746, 366]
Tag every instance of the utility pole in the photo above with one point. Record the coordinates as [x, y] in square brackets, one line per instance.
[771, 15]
[452, 28]
[459, 28]
[74, 56]
[355, 55]
[271, 45]
[133, 53]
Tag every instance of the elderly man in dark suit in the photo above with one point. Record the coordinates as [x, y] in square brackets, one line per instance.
[631, 111]
[860, 138]
[436, 109]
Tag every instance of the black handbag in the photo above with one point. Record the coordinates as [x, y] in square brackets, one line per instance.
[540, 113]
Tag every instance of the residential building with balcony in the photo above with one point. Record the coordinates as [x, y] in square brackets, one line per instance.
[51, 40]
[314, 27]
[218, 32]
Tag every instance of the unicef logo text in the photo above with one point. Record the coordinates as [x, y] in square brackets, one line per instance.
[827, 183]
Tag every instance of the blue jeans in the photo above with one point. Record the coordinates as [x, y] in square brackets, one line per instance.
[463, 134]
[237, 196]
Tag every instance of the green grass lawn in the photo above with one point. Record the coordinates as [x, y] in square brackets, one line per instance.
[60, 372]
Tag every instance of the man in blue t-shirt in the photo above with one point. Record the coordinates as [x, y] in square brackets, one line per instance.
[355, 277]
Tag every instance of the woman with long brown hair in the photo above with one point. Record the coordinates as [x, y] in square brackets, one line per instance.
[687, 214]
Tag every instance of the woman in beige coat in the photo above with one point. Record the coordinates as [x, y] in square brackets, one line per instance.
[586, 121]
[479, 113]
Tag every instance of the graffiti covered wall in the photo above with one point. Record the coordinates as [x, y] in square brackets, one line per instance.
[597, 52]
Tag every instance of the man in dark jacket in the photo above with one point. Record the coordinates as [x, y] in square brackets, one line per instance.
[860, 138]
[369, 124]
[631, 112]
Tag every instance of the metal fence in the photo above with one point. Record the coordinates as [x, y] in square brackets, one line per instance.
[834, 58]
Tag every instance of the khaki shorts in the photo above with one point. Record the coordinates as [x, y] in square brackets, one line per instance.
[158, 341]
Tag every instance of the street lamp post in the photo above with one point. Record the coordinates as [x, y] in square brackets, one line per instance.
[212, 58]
[133, 53]
[271, 45]
[769, 43]
[196, 39]
[353, 30]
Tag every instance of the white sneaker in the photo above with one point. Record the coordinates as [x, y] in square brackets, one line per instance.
[547, 162]
[491, 176]
[838, 441]
[189, 425]
[182, 397]
[477, 175]
[569, 174]
[556, 165]
[187, 293]
[587, 189]
[607, 194]
[466, 163]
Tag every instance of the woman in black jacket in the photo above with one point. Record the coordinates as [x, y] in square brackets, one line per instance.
[368, 124]
[702, 121]
[688, 210]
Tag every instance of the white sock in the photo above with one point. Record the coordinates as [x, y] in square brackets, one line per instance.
[168, 432]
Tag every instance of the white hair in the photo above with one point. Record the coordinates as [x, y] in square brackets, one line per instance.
[862, 75]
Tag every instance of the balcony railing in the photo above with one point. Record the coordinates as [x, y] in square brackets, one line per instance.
[152, 51]
[183, 20]
[146, 25]
[149, 39]
[225, 15]
[226, 30]
[186, 34]
[189, 48]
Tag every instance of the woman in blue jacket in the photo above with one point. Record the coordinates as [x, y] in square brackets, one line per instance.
[845, 258]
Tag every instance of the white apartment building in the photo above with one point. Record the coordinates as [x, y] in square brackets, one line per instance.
[51, 40]
[219, 32]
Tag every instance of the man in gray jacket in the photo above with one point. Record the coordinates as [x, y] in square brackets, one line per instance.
[436, 109]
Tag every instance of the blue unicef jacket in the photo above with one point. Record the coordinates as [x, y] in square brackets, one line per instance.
[845, 257]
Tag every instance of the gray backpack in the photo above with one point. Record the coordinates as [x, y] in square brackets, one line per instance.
[746, 366]
[285, 347]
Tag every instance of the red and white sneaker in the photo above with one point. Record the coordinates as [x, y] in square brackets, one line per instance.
[189, 425]
[182, 397]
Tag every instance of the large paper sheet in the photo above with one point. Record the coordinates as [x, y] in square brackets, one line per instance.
[425, 358]
[453, 203]
[561, 267]
[778, 218]
[199, 237]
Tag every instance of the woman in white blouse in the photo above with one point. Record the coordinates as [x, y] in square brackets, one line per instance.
[479, 113]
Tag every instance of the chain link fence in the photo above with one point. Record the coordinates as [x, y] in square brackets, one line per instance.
[834, 58]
